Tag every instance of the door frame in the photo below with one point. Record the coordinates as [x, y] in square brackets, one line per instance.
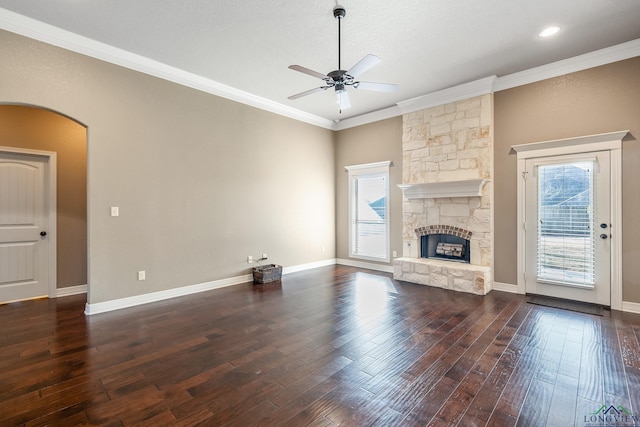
[611, 142]
[50, 161]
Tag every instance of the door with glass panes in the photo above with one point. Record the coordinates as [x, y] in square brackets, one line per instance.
[567, 227]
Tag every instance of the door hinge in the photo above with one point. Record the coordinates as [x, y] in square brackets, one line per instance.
[524, 175]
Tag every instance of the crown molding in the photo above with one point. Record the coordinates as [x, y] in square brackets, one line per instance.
[363, 119]
[28, 27]
[450, 94]
[493, 84]
[433, 99]
[593, 59]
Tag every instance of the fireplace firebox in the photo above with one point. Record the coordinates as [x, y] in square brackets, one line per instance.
[445, 242]
[444, 246]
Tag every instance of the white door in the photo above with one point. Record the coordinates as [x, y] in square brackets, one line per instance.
[567, 227]
[24, 245]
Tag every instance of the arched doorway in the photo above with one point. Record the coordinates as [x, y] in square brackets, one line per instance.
[28, 128]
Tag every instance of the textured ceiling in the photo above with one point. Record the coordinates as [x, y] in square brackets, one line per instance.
[425, 45]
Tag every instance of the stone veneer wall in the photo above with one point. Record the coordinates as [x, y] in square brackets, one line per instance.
[450, 142]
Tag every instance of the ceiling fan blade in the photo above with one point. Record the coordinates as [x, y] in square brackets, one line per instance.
[343, 100]
[365, 64]
[307, 92]
[379, 87]
[308, 71]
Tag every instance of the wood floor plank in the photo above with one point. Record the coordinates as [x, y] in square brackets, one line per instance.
[565, 395]
[514, 393]
[331, 346]
[633, 383]
[477, 361]
[585, 412]
[613, 370]
[591, 379]
[629, 346]
[535, 409]
[483, 404]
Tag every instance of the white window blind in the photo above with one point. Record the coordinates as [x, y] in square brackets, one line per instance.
[566, 245]
[369, 212]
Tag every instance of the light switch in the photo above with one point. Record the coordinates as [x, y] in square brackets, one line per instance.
[115, 211]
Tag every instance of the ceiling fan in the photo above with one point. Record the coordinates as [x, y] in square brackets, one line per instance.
[339, 79]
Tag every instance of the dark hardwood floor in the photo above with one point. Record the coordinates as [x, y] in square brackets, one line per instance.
[330, 346]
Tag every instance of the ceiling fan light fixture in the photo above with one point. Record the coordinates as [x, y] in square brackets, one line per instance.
[340, 79]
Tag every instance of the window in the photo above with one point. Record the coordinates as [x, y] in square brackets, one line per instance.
[566, 210]
[369, 211]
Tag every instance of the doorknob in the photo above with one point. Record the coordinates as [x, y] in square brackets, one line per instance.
[43, 233]
[603, 225]
[603, 236]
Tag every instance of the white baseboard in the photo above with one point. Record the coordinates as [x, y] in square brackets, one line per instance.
[631, 307]
[309, 266]
[103, 307]
[505, 287]
[117, 304]
[367, 265]
[71, 290]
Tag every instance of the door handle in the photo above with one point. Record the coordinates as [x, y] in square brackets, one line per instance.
[603, 225]
[603, 236]
[43, 233]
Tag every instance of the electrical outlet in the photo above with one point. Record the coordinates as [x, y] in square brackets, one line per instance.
[142, 275]
[264, 256]
[249, 259]
[395, 254]
[115, 211]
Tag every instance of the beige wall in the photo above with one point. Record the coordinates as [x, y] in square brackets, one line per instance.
[598, 100]
[370, 143]
[201, 181]
[38, 129]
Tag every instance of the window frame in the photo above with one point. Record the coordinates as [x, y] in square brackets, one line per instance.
[368, 170]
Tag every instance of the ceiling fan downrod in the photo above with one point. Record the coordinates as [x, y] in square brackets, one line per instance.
[339, 12]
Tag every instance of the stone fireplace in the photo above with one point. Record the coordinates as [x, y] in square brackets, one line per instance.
[447, 172]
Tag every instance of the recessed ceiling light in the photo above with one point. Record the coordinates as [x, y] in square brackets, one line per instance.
[548, 32]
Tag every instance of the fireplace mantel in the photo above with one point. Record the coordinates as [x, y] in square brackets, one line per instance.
[432, 190]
